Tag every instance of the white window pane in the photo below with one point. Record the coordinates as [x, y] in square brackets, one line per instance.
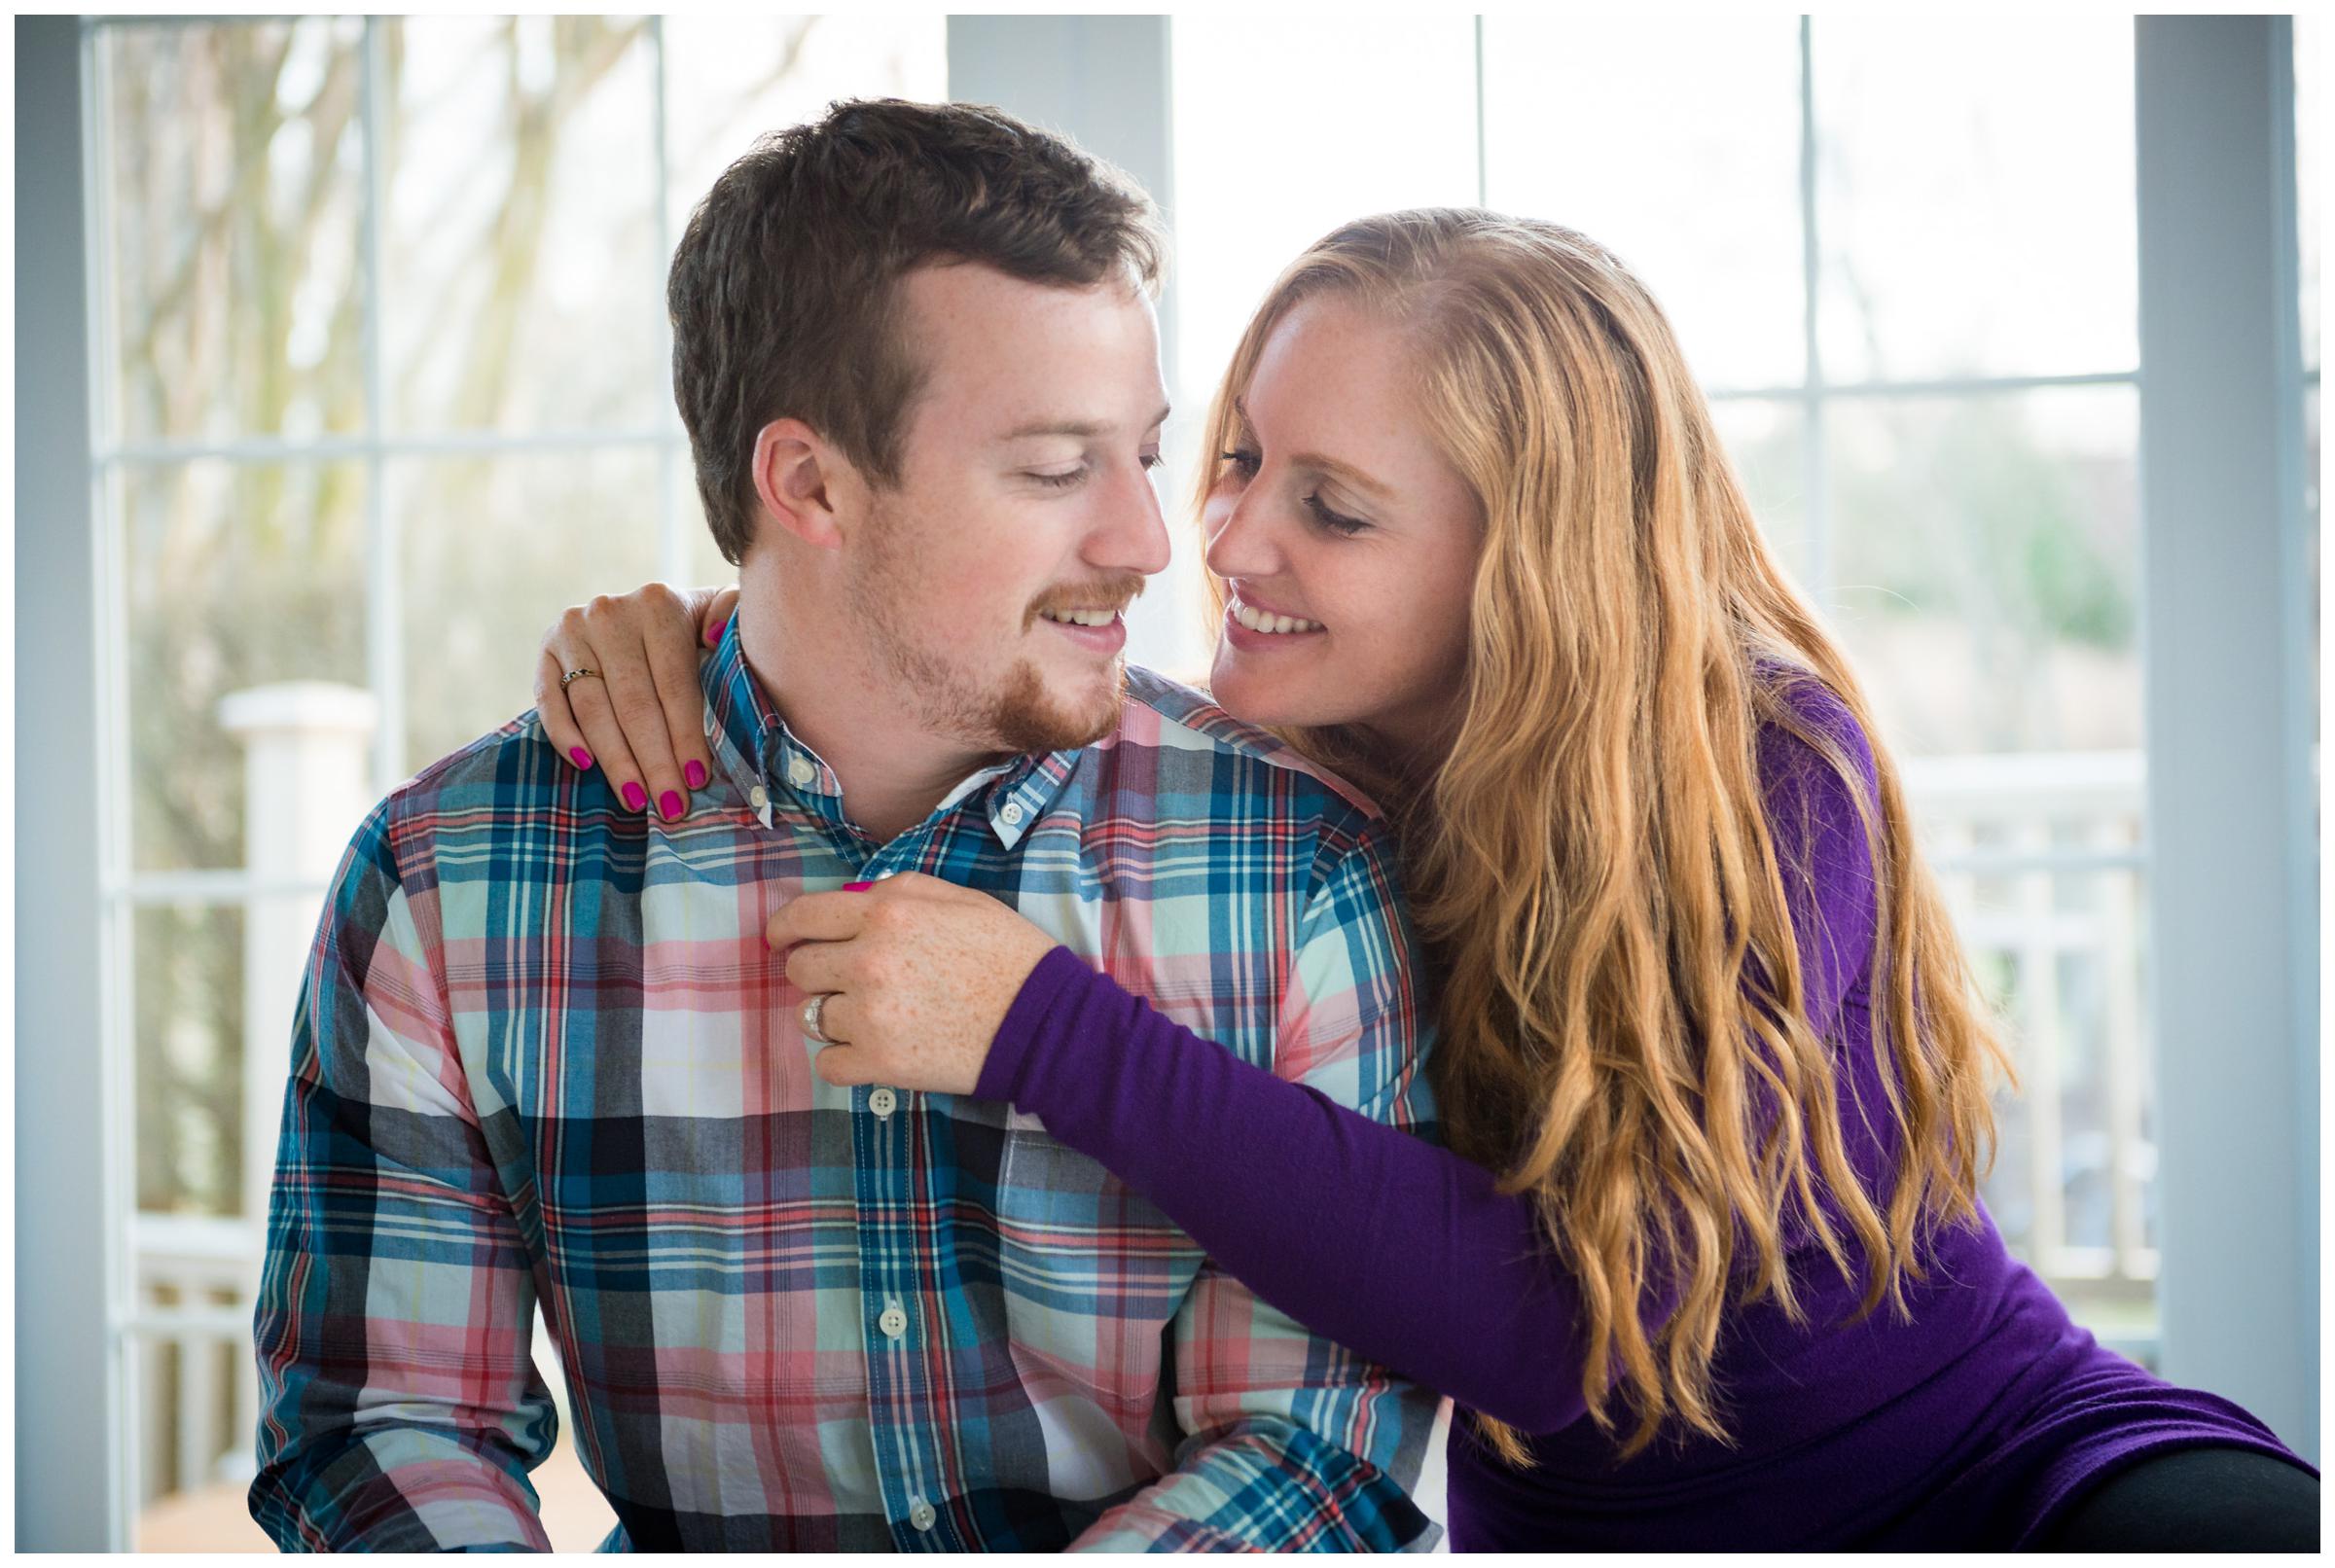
[240, 575]
[493, 548]
[520, 289]
[1764, 439]
[231, 194]
[189, 1054]
[1285, 129]
[1679, 148]
[731, 78]
[1975, 202]
[1987, 566]
[705, 565]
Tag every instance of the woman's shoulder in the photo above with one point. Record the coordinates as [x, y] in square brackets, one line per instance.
[1813, 748]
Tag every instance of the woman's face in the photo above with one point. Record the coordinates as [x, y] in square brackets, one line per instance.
[1334, 508]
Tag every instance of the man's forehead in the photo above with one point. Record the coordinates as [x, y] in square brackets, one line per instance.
[1064, 423]
[1004, 359]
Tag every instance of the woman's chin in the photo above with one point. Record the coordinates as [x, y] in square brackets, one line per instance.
[1260, 699]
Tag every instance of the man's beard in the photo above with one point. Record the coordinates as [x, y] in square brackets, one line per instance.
[1017, 714]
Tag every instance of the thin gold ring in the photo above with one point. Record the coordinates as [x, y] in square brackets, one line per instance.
[577, 675]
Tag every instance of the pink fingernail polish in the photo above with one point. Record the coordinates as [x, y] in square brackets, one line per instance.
[670, 802]
[581, 757]
[713, 633]
[637, 797]
[694, 774]
[857, 887]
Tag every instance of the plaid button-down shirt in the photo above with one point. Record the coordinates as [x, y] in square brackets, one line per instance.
[543, 1055]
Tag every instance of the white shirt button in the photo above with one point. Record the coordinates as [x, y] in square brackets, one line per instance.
[758, 796]
[893, 1323]
[801, 773]
[921, 1514]
[883, 1101]
[1011, 816]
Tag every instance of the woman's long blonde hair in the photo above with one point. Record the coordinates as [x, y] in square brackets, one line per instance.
[1622, 1026]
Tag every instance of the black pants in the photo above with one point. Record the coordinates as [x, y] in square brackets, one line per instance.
[2195, 1500]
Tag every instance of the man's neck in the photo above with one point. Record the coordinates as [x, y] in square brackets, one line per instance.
[826, 686]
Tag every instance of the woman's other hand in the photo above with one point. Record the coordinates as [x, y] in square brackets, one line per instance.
[916, 975]
[642, 719]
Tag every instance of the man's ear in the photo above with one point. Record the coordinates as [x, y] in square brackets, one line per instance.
[796, 473]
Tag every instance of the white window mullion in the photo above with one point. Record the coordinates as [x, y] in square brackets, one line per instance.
[672, 538]
[1816, 501]
[365, 447]
[384, 599]
[117, 1022]
[1483, 161]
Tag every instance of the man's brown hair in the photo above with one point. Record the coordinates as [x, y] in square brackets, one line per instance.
[784, 290]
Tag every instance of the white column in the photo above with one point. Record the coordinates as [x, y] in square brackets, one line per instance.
[305, 787]
[68, 1469]
[2235, 1022]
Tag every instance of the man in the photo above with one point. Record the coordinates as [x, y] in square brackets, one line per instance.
[544, 1056]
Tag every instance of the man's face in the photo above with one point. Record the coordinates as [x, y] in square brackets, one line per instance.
[1024, 494]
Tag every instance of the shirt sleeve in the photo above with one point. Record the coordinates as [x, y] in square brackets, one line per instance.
[400, 1404]
[1292, 1441]
[1370, 1236]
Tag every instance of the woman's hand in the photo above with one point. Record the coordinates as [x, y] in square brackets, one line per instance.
[643, 719]
[918, 973]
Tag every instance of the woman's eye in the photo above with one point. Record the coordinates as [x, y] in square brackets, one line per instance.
[1060, 481]
[1241, 462]
[1336, 521]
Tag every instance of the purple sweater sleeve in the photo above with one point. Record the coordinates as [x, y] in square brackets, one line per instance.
[1401, 1251]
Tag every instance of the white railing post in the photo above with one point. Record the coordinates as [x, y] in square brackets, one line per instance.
[305, 787]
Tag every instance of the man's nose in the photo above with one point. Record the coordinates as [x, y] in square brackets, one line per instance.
[1134, 536]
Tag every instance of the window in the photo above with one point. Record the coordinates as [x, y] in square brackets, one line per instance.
[382, 386]
[1949, 469]
[1913, 297]
[380, 373]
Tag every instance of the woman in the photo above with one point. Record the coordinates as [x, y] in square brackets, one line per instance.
[1707, 1265]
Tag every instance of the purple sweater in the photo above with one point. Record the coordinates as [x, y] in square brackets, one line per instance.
[1974, 1425]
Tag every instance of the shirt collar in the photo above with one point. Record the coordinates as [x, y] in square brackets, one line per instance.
[753, 745]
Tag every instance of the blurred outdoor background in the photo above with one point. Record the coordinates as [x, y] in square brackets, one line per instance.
[377, 360]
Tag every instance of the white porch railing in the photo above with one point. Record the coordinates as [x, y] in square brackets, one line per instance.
[2043, 858]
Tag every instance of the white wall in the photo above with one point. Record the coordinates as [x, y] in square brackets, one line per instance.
[65, 1372]
[2231, 812]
